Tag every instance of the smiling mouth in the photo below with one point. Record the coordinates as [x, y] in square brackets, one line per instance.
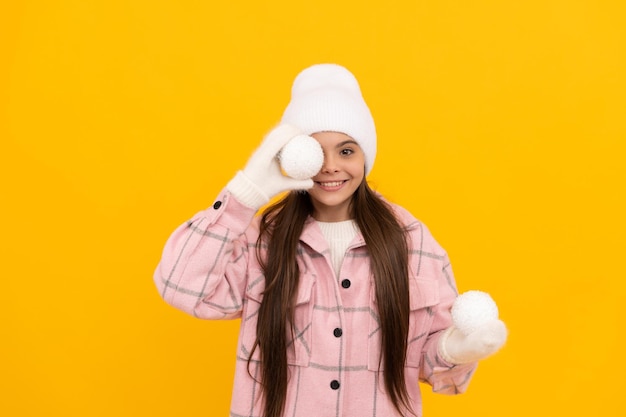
[330, 184]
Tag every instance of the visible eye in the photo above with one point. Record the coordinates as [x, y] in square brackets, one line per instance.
[346, 152]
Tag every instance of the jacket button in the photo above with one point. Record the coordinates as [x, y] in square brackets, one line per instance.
[346, 283]
[217, 205]
[334, 384]
[337, 332]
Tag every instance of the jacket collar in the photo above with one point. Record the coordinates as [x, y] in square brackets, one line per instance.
[313, 237]
[312, 234]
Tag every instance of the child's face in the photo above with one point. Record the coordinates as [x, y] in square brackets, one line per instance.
[340, 176]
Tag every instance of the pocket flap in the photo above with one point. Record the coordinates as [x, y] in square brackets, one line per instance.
[305, 289]
[256, 287]
[424, 292]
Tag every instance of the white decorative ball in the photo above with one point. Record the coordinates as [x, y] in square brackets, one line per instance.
[473, 309]
[302, 157]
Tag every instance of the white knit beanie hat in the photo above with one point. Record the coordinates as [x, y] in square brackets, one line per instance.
[327, 98]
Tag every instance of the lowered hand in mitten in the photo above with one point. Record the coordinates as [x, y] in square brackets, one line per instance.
[476, 333]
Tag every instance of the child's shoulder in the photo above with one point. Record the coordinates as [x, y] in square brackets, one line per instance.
[414, 226]
[404, 216]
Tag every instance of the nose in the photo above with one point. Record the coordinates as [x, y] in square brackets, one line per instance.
[330, 165]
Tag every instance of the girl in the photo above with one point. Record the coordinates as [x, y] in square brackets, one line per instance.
[344, 298]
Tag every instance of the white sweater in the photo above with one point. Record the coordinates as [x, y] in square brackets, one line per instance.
[339, 235]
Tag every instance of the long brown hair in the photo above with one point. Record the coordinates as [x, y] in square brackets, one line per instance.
[385, 238]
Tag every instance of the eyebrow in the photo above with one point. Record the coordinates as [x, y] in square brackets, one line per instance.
[346, 142]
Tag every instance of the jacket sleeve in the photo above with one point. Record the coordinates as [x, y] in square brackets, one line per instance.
[444, 377]
[204, 265]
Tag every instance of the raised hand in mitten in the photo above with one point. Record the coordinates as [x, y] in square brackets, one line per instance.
[476, 333]
[262, 179]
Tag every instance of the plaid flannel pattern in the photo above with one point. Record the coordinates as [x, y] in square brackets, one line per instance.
[209, 269]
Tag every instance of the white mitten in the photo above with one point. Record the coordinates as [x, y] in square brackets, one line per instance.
[477, 332]
[262, 178]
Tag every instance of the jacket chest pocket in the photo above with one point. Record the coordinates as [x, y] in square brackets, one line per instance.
[299, 340]
[424, 295]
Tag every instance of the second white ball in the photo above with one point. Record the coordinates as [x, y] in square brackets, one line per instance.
[302, 157]
[472, 309]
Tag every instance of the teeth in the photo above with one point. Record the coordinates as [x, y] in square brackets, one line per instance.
[331, 184]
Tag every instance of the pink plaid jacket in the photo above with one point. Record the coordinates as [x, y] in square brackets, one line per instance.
[209, 269]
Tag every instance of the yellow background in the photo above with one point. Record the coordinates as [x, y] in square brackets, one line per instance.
[501, 126]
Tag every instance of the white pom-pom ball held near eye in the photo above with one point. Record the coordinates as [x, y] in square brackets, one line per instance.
[473, 309]
[302, 157]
